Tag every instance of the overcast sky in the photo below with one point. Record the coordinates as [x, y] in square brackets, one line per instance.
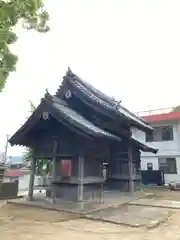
[128, 49]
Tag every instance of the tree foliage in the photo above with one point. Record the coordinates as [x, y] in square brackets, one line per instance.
[32, 107]
[43, 166]
[33, 16]
[29, 153]
[176, 109]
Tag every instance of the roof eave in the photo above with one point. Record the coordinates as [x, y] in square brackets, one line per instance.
[152, 150]
[146, 129]
[144, 147]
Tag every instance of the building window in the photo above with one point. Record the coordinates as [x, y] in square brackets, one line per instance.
[167, 133]
[168, 165]
[149, 137]
[149, 166]
[164, 133]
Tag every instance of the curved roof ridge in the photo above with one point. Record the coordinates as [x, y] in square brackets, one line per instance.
[91, 88]
[100, 98]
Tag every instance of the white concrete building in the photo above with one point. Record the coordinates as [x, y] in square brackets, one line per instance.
[166, 138]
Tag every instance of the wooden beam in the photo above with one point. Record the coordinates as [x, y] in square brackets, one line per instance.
[31, 181]
[54, 169]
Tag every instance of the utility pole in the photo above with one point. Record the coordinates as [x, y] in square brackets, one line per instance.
[6, 148]
[149, 109]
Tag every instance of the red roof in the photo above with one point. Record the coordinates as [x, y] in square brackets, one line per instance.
[163, 117]
[14, 173]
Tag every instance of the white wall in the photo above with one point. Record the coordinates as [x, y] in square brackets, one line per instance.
[153, 160]
[24, 182]
[166, 148]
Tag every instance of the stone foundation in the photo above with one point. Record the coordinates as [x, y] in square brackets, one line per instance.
[70, 192]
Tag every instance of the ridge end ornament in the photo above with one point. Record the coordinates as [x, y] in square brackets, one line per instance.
[45, 115]
[68, 94]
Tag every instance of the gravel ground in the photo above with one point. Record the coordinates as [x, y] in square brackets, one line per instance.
[163, 194]
[20, 223]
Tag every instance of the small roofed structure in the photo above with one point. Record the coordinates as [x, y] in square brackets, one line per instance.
[81, 130]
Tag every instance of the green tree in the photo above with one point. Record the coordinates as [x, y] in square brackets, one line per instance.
[29, 152]
[43, 166]
[32, 15]
[176, 109]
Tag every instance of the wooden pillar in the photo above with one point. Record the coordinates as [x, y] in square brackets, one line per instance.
[31, 181]
[139, 170]
[81, 178]
[130, 166]
[54, 169]
[101, 197]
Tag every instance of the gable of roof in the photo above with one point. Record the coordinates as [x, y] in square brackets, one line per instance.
[65, 115]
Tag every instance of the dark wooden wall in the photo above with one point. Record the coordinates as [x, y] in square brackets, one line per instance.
[118, 169]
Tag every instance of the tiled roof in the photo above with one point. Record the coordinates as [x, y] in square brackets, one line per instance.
[67, 117]
[171, 116]
[105, 101]
[15, 173]
[91, 95]
[79, 121]
[144, 147]
[98, 93]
